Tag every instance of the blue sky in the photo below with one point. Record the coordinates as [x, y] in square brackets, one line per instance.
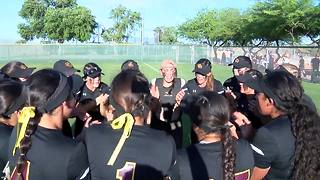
[154, 12]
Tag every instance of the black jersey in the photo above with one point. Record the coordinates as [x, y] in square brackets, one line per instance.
[192, 87]
[306, 100]
[5, 132]
[148, 153]
[233, 84]
[167, 95]
[275, 147]
[49, 154]
[204, 161]
[88, 103]
[86, 93]
[240, 103]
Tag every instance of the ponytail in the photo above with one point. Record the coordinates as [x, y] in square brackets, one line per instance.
[228, 155]
[305, 125]
[25, 143]
[210, 83]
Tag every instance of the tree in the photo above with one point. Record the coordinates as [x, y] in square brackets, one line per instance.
[313, 24]
[281, 20]
[125, 22]
[211, 27]
[66, 24]
[55, 19]
[214, 28]
[166, 35]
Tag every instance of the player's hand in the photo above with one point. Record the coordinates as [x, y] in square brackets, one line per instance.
[79, 112]
[230, 94]
[180, 96]
[233, 130]
[89, 122]
[102, 99]
[154, 90]
[240, 118]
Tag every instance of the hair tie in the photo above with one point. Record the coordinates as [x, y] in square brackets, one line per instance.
[215, 128]
[126, 120]
[25, 115]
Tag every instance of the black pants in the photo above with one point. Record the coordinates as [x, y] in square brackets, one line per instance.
[315, 76]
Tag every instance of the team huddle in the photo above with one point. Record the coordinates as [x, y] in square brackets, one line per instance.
[253, 126]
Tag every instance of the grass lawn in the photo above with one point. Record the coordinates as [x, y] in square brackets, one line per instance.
[151, 70]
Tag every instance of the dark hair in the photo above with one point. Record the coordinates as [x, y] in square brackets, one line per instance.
[304, 123]
[130, 91]
[11, 97]
[10, 67]
[211, 112]
[129, 64]
[44, 93]
[16, 70]
[210, 82]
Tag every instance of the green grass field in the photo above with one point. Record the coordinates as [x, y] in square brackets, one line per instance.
[151, 70]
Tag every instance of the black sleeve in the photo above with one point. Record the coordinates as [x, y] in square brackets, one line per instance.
[265, 148]
[218, 87]
[105, 89]
[174, 172]
[78, 165]
[244, 159]
[188, 86]
[306, 100]
[227, 83]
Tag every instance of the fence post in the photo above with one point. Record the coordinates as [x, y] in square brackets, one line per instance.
[192, 55]
[8, 53]
[177, 54]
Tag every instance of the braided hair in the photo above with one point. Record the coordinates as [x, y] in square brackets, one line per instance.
[211, 113]
[305, 123]
[42, 86]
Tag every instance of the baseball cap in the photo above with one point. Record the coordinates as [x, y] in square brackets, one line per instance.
[17, 69]
[250, 78]
[92, 70]
[130, 64]
[65, 67]
[203, 66]
[261, 86]
[241, 62]
[167, 63]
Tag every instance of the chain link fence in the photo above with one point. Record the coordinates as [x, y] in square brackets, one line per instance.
[262, 57]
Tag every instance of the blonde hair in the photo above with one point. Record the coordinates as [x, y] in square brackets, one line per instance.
[168, 63]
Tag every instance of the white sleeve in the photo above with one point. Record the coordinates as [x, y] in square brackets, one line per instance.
[183, 82]
[153, 81]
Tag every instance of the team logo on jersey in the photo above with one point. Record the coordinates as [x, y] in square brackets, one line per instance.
[199, 66]
[24, 172]
[126, 172]
[68, 64]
